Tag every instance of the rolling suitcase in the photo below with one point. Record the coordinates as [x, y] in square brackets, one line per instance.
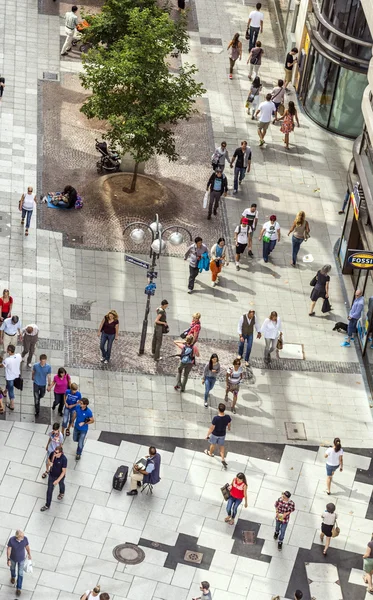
[120, 477]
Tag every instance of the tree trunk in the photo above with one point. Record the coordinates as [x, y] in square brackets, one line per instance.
[134, 178]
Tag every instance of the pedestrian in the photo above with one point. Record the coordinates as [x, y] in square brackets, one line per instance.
[237, 492]
[298, 595]
[149, 474]
[277, 97]
[26, 205]
[353, 317]
[60, 384]
[320, 285]
[219, 157]
[2, 86]
[328, 520]
[30, 336]
[218, 185]
[3, 394]
[253, 98]
[187, 360]
[270, 330]
[334, 460]
[271, 234]
[195, 327]
[255, 24]
[252, 215]
[206, 592]
[284, 507]
[233, 379]
[55, 439]
[83, 418]
[12, 365]
[89, 594]
[71, 400]
[181, 5]
[345, 202]
[266, 110]
[235, 52]
[368, 566]
[289, 64]
[10, 329]
[217, 432]
[241, 239]
[287, 126]
[242, 156]
[41, 375]
[160, 328]
[210, 374]
[6, 305]
[245, 332]
[218, 260]
[301, 232]
[71, 21]
[109, 332]
[16, 550]
[255, 59]
[56, 469]
[194, 253]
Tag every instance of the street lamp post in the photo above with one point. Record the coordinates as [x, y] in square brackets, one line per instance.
[157, 246]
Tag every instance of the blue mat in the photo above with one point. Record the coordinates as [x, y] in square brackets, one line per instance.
[63, 206]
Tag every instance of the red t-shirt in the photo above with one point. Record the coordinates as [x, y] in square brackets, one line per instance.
[4, 306]
[238, 489]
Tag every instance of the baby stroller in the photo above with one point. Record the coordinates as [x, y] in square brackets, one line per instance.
[109, 161]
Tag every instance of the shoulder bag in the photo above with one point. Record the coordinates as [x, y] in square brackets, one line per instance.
[313, 281]
[336, 530]
[280, 342]
[225, 491]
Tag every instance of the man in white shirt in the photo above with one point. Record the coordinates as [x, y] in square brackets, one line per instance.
[241, 234]
[9, 330]
[254, 24]
[30, 336]
[266, 110]
[245, 332]
[12, 365]
[271, 233]
[252, 215]
[71, 21]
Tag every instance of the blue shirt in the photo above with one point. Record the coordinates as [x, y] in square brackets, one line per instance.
[81, 415]
[218, 184]
[72, 398]
[41, 372]
[357, 308]
[9, 327]
[18, 553]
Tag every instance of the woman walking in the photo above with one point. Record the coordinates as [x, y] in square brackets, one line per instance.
[109, 331]
[368, 566]
[218, 259]
[301, 231]
[238, 492]
[271, 234]
[210, 373]
[334, 460]
[329, 518]
[6, 305]
[61, 383]
[235, 52]
[26, 205]
[320, 285]
[194, 329]
[255, 59]
[233, 379]
[270, 330]
[288, 117]
[187, 360]
[278, 94]
[253, 98]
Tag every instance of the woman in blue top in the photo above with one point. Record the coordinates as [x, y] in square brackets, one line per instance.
[217, 260]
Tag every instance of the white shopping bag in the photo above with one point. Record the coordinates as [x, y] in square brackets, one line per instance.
[205, 199]
[28, 567]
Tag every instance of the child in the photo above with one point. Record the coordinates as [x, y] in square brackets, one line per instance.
[72, 397]
[253, 98]
[55, 439]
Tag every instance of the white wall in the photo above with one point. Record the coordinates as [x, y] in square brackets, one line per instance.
[301, 21]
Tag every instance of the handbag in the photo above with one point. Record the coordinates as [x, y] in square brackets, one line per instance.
[225, 491]
[313, 281]
[18, 383]
[326, 307]
[247, 34]
[166, 329]
[280, 343]
[281, 109]
[185, 333]
[336, 530]
[28, 568]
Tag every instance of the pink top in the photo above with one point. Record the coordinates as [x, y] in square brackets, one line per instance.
[61, 384]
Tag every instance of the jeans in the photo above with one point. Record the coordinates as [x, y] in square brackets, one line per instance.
[232, 506]
[254, 32]
[193, 272]
[106, 340]
[186, 368]
[209, 384]
[249, 339]
[351, 327]
[20, 566]
[39, 393]
[28, 214]
[10, 388]
[281, 529]
[79, 436]
[51, 488]
[268, 247]
[241, 172]
[270, 346]
[345, 201]
[296, 243]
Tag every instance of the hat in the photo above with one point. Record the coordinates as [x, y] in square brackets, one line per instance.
[287, 494]
[245, 221]
[273, 218]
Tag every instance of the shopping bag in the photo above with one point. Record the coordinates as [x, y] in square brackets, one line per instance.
[280, 342]
[28, 568]
[326, 306]
[205, 199]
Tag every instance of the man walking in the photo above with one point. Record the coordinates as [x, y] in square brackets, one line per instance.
[71, 21]
[266, 109]
[12, 366]
[9, 331]
[41, 373]
[252, 215]
[56, 469]
[30, 335]
[255, 24]
[218, 185]
[83, 418]
[149, 474]
[217, 432]
[16, 555]
[194, 253]
[160, 328]
[353, 317]
[245, 332]
[284, 507]
[243, 164]
[289, 64]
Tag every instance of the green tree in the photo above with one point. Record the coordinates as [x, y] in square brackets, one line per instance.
[134, 91]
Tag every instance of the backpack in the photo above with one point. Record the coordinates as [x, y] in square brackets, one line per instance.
[187, 355]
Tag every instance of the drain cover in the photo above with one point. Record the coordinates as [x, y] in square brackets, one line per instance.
[249, 537]
[129, 554]
[295, 431]
[193, 557]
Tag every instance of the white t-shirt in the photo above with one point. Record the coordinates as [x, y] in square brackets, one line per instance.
[28, 201]
[256, 16]
[90, 596]
[251, 215]
[333, 456]
[243, 233]
[233, 375]
[271, 229]
[12, 366]
[266, 109]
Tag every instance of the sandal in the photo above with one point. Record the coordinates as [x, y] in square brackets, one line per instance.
[44, 475]
[67, 432]
[10, 407]
[208, 453]
[324, 552]
[227, 519]
[60, 496]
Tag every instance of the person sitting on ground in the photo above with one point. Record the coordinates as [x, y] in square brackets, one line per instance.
[146, 471]
[68, 197]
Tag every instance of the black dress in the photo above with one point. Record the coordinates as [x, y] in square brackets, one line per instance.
[319, 290]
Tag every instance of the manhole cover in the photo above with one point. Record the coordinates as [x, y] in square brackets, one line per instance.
[50, 76]
[129, 554]
[249, 537]
[193, 557]
[295, 431]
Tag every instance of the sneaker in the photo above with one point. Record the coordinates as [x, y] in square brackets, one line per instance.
[261, 142]
[176, 387]
[237, 267]
[234, 411]
[341, 212]
[275, 535]
[206, 405]
[346, 344]
[230, 76]
[77, 457]
[102, 359]
[214, 284]
[29, 365]
[251, 254]
[234, 191]
[253, 118]
[279, 545]
[225, 464]
[215, 212]
[247, 364]
[189, 291]
[208, 217]
[105, 362]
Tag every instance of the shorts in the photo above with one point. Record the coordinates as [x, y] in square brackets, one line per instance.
[288, 75]
[240, 248]
[368, 565]
[326, 529]
[217, 439]
[67, 417]
[263, 125]
[330, 469]
[233, 387]
[277, 104]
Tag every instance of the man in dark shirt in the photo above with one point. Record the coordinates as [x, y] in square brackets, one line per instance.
[243, 163]
[289, 64]
[57, 464]
[218, 185]
[216, 434]
[16, 556]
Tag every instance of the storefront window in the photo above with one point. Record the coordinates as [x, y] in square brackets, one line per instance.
[367, 320]
[321, 89]
[346, 115]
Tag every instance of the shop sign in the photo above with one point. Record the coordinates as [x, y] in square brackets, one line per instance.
[360, 259]
[355, 200]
